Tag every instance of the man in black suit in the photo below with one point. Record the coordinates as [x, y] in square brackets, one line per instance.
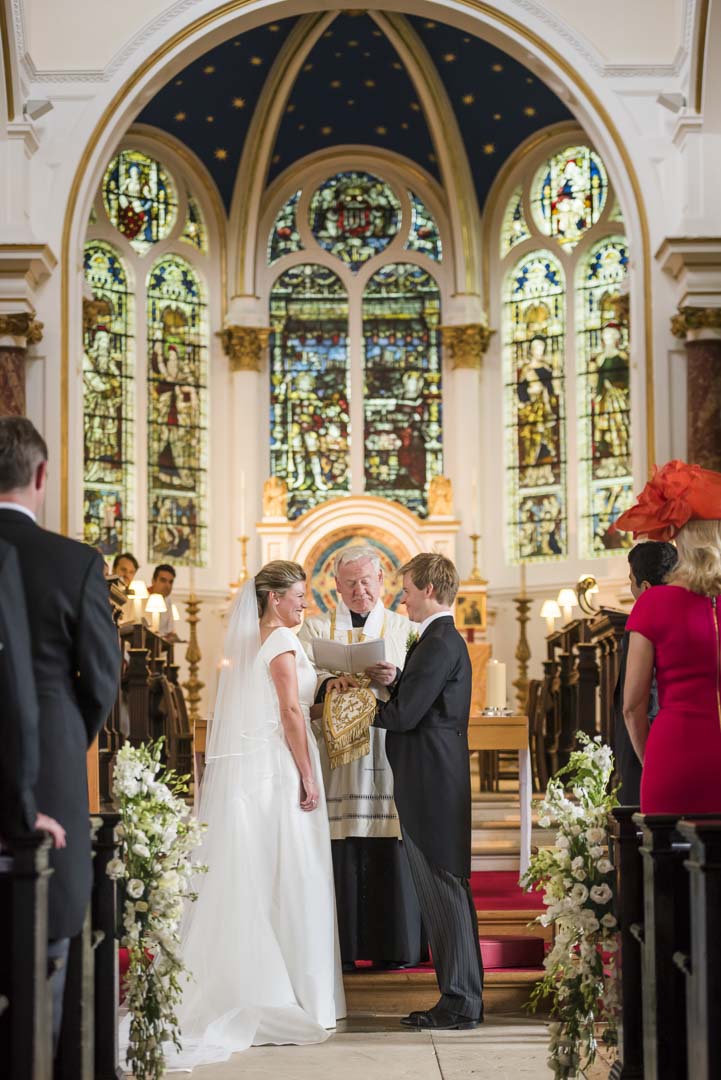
[426, 719]
[649, 564]
[76, 662]
[19, 815]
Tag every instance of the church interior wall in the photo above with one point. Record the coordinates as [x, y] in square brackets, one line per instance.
[676, 165]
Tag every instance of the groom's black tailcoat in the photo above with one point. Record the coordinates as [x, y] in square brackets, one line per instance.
[76, 662]
[427, 745]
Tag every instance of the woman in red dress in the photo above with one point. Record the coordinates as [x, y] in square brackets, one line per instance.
[676, 629]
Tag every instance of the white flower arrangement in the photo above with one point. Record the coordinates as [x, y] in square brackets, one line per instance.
[157, 834]
[575, 876]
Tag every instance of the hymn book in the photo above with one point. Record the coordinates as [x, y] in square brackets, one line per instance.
[350, 659]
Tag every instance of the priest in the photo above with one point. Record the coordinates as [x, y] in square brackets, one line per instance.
[378, 914]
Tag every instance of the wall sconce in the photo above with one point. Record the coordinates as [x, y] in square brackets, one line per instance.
[567, 601]
[139, 592]
[587, 586]
[155, 606]
[550, 611]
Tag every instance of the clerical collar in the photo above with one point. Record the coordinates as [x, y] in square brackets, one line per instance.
[357, 619]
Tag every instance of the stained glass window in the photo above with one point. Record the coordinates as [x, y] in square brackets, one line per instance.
[354, 216]
[424, 235]
[569, 194]
[604, 396]
[194, 230]
[284, 236]
[107, 401]
[514, 228]
[534, 342]
[177, 378]
[616, 212]
[140, 199]
[403, 444]
[310, 386]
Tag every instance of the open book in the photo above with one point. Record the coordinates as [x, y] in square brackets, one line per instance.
[350, 659]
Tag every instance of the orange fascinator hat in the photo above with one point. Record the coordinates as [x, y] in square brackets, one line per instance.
[675, 494]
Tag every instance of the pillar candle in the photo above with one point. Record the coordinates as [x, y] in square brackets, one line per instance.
[192, 580]
[242, 503]
[523, 579]
[496, 685]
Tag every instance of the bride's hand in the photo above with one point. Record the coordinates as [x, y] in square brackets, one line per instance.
[309, 793]
[341, 684]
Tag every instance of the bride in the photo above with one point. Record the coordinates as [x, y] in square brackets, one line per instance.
[261, 941]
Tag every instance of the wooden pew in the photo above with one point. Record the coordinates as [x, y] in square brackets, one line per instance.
[625, 845]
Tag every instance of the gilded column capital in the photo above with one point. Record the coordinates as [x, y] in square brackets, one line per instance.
[22, 326]
[466, 344]
[244, 346]
[694, 323]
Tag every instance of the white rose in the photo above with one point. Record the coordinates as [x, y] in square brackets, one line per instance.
[562, 842]
[579, 893]
[544, 822]
[608, 920]
[580, 874]
[604, 866]
[116, 869]
[168, 880]
[141, 850]
[140, 905]
[136, 888]
[601, 894]
[577, 863]
[596, 851]
[596, 836]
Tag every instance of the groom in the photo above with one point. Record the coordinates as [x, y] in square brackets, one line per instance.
[426, 719]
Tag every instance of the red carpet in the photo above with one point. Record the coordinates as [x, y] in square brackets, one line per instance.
[498, 890]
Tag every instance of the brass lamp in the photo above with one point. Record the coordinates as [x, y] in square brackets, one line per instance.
[155, 606]
[587, 586]
[567, 601]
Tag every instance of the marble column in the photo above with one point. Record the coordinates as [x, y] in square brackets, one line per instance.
[17, 331]
[700, 329]
[246, 348]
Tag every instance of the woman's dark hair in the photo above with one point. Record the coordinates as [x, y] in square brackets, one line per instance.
[125, 555]
[652, 561]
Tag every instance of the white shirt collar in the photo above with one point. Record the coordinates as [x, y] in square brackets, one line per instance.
[17, 506]
[427, 622]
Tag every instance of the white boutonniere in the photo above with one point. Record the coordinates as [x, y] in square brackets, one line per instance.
[411, 640]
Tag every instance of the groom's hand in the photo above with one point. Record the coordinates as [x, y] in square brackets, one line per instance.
[383, 673]
[341, 684]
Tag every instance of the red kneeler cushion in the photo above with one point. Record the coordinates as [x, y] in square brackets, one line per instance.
[510, 951]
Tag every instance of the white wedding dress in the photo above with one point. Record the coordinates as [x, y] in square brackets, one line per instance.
[261, 940]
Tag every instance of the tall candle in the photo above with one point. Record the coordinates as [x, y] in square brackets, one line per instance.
[192, 580]
[242, 503]
[474, 501]
[523, 579]
[496, 685]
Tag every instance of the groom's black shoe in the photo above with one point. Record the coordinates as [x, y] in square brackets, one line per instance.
[440, 1019]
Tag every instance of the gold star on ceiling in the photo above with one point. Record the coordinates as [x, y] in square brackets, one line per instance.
[238, 102]
[497, 116]
[353, 44]
[488, 148]
[370, 83]
[256, 61]
[529, 80]
[405, 125]
[415, 106]
[397, 66]
[178, 82]
[290, 107]
[468, 99]
[350, 101]
[328, 33]
[430, 25]
[221, 154]
[181, 116]
[431, 157]
[377, 33]
[449, 57]
[335, 84]
[326, 130]
[210, 119]
[208, 69]
[276, 158]
[307, 67]
[496, 67]
[338, 55]
[529, 111]
[381, 130]
[274, 28]
[301, 127]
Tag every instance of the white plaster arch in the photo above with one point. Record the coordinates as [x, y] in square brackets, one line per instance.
[184, 37]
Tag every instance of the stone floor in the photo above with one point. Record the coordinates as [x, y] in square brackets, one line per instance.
[376, 1048]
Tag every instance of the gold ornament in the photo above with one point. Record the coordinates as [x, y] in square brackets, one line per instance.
[466, 344]
[440, 497]
[22, 325]
[695, 318]
[244, 346]
[275, 498]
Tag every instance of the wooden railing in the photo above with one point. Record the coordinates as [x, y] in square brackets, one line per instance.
[668, 891]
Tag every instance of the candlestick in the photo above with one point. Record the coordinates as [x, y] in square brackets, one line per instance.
[193, 657]
[192, 580]
[496, 695]
[243, 575]
[523, 650]
[475, 569]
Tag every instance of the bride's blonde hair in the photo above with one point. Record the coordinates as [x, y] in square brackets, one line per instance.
[699, 558]
[277, 576]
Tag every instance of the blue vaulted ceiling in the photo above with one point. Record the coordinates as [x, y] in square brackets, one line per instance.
[353, 88]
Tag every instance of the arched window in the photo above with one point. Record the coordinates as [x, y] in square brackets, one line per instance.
[310, 385]
[109, 450]
[567, 373]
[145, 414]
[355, 395]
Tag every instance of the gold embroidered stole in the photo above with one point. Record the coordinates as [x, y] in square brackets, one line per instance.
[347, 716]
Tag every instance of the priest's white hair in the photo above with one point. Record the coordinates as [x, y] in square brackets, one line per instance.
[353, 554]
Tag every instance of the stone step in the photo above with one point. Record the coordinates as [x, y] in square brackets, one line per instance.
[507, 834]
[396, 993]
[505, 922]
